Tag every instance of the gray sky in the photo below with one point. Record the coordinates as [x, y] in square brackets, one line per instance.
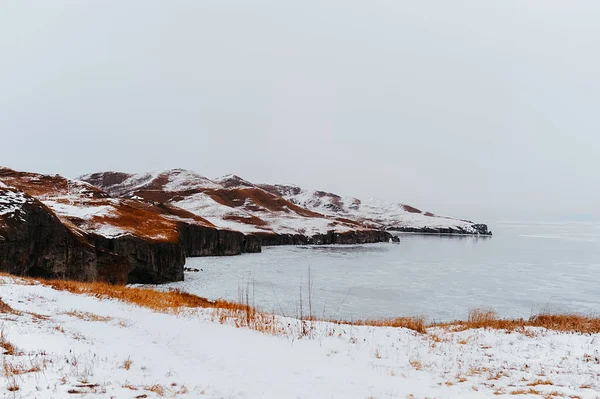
[480, 109]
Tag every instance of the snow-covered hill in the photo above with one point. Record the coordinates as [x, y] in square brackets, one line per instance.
[227, 202]
[232, 202]
[87, 209]
[375, 212]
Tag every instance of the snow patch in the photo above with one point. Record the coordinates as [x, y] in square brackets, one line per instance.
[81, 211]
[12, 201]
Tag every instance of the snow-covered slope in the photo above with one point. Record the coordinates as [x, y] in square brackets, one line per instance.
[174, 180]
[67, 345]
[374, 212]
[227, 202]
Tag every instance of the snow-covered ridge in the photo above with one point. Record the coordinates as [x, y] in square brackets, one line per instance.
[173, 180]
[227, 202]
[373, 212]
[84, 208]
[233, 202]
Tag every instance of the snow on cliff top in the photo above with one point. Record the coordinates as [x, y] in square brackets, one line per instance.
[12, 201]
[82, 346]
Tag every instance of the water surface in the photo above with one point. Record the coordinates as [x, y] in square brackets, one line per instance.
[523, 269]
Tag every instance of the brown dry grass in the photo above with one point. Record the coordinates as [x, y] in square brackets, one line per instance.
[482, 318]
[157, 389]
[243, 314]
[5, 344]
[416, 364]
[540, 382]
[87, 316]
[11, 369]
[174, 301]
[161, 301]
[412, 323]
[4, 308]
[127, 363]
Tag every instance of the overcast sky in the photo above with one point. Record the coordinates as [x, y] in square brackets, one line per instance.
[479, 109]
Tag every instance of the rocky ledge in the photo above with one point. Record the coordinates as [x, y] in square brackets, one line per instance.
[477, 229]
[350, 237]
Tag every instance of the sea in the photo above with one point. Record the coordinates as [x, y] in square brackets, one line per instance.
[524, 269]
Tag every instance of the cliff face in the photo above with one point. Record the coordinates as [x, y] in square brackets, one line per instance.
[350, 237]
[480, 229]
[203, 241]
[33, 241]
[147, 262]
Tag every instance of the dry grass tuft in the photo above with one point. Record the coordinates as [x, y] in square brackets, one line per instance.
[161, 301]
[87, 316]
[13, 387]
[5, 344]
[412, 323]
[11, 369]
[540, 382]
[127, 363]
[483, 318]
[157, 389]
[416, 364]
[4, 308]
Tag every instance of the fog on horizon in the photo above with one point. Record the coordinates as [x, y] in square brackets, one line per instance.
[481, 110]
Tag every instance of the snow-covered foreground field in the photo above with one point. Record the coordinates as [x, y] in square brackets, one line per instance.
[69, 345]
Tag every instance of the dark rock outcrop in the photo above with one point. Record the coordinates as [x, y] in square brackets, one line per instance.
[34, 242]
[147, 262]
[350, 237]
[206, 241]
[252, 244]
[482, 229]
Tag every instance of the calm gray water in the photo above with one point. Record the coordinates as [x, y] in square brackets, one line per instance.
[523, 269]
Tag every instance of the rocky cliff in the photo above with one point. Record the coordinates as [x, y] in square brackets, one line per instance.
[349, 237]
[34, 242]
[71, 229]
[203, 241]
